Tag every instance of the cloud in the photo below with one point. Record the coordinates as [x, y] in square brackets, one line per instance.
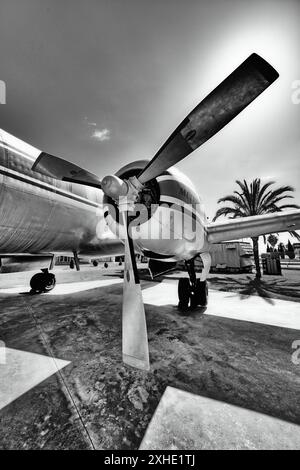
[267, 177]
[101, 134]
[98, 134]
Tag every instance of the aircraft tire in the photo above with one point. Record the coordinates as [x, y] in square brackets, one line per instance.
[202, 293]
[42, 282]
[199, 297]
[184, 292]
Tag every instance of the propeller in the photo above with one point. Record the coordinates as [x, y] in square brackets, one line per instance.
[225, 102]
[60, 169]
[135, 338]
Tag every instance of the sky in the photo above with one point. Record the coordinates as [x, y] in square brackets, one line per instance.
[105, 82]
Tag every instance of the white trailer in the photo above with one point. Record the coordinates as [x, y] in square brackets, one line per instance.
[232, 257]
[227, 257]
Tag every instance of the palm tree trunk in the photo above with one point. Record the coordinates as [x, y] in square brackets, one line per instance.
[256, 257]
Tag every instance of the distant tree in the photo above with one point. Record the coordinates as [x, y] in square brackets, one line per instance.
[255, 199]
[272, 239]
[290, 250]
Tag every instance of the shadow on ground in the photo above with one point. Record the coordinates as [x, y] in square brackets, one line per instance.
[280, 288]
[242, 363]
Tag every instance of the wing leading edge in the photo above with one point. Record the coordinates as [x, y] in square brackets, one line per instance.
[234, 229]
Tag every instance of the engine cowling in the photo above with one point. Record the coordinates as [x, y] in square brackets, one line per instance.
[168, 219]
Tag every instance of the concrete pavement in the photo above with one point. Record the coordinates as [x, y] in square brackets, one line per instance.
[184, 421]
[276, 312]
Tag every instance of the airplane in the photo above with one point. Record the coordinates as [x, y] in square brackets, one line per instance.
[51, 206]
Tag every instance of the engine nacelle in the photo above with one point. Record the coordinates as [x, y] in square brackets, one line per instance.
[168, 222]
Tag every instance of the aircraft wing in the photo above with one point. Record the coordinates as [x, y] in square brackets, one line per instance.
[234, 229]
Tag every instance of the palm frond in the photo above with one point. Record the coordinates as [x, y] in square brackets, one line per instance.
[245, 202]
[255, 189]
[263, 190]
[276, 200]
[277, 192]
[232, 198]
[289, 206]
[246, 191]
[295, 234]
[226, 211]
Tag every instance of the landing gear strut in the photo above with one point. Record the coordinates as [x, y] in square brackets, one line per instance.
[193, 292]
[42, 282]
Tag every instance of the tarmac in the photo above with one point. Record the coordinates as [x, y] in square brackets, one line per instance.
[184, 421]
[276, 312]
[63, 385]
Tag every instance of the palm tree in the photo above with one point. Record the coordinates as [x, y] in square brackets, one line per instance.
[256, 199]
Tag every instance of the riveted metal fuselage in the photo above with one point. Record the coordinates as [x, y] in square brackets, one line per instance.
[39, 214]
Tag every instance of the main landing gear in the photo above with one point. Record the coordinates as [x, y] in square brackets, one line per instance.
[193, 292]
[42, 282]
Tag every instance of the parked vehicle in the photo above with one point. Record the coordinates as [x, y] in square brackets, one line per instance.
[227, 257]
[233, 257]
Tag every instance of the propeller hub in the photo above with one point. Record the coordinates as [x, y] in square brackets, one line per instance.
[114, 187]
[124, 192]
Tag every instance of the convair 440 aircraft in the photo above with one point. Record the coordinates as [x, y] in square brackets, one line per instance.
[51, 206]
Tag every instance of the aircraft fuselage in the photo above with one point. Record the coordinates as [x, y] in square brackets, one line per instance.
[39, 214]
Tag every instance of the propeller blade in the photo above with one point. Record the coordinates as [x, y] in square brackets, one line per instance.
[241, 87]
[60, 169]
[135, 338]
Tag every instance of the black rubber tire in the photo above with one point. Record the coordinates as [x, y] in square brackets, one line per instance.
[202, 293]
[184, 292]
[195, 295]
[42, 282]
[200, 296]
[95, 263]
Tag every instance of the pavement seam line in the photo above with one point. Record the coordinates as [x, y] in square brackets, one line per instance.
[59, 372]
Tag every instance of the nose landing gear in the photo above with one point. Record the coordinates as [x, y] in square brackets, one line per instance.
[193, 292]
[42, 282]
